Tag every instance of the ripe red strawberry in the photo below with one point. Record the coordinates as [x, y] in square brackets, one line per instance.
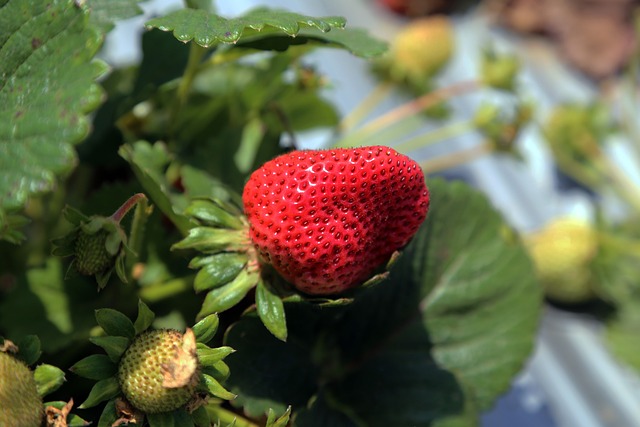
[327, 219]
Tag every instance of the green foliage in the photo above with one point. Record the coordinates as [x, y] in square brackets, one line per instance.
[53, 42]
[434, 342]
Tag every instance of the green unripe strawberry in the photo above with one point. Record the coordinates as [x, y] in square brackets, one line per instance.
[20, 403]
[91, 254]
[159, 371]
[562, 253]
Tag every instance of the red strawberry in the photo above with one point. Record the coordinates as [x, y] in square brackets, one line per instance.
[327, 219]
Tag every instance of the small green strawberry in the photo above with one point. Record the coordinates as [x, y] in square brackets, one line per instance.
[92, 256]
[98, 244]
[159, 372]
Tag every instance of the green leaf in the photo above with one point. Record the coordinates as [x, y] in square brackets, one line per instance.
[201, 417]
[623, 334]
[29, 349]
[357, 41]
[101, 391]
[148, 163]
[114, 346]
[105, 13]
[182, 418]
[217, 270]
[209, 239]
[95, 367]
[208, 29]
[115, 323]
[281, 421]
[225, 297]
[48, 379]
[164, 419]
[212, 214]
[435, 343]
[206, 328]
[145, 318]
[216, 389]
[109, 415]
[46, 90]
[210, 356]
[271, 310]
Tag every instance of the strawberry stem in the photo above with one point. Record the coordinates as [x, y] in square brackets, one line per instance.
[411, 108]
[138, 225]
[440, 134]
[451, 160]
[375, 97]
[123, 210]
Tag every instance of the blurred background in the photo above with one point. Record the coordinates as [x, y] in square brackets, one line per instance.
[535, 102]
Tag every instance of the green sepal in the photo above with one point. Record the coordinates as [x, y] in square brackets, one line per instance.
[210, 356]
[109, 415]
[225, 297]
[215, 388]
[95, 367]
[29, 349]
[217, 270]
[219, 370]
[201, 417]
[114, 346]
[271, 310]
[182, 418]
[72, 419]
[163, 419]
[206, 328]
[65, 246]
[103, 278]
[282, 421]
[210, 213]
[115, 323]
[211, 240]
[101, 391]
[10, 223]
[74, 216]
[48, 379]
[145, 318]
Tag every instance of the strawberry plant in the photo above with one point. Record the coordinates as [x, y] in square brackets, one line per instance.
[270, 285]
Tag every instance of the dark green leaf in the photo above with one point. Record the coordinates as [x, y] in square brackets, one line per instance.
[216, 389]
[43, 41]
[114, 346]
[212, 214]
[217, 270]
[145, 318]
[271, 311]
[115, 323]
[101, 391]
[149, 162]
[206, 328]
[201, 417]
[105, 13]
[95, 367]
[29, 349]
[182, 418]
[225, 297]
[48, 379]
[109, 415]
[163, 419]
[355, 40]
[208, 29]
[210, 356]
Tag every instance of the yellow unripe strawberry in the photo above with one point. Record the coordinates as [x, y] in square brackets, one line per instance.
[421, 49]
[20, 403]
[562, 252]
[159, 371]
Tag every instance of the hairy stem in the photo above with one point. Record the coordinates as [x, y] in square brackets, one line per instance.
[123, 210]
[458, 158]
[440, 134]
[367, 105]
